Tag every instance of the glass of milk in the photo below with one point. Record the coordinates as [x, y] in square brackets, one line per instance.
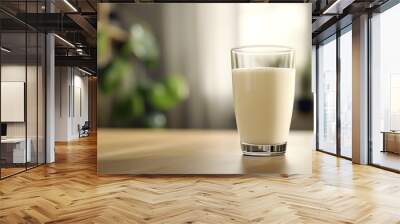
[263, 89]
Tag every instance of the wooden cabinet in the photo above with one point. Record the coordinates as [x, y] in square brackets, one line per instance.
[391, 142]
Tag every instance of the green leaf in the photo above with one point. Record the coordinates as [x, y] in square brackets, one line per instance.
[142, 44]
[112, 77]
[159, 97]
[137, 103]
[122, 112]
[103, 47]
[177, 87]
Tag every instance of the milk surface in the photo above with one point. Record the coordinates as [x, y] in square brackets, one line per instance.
[263, 100]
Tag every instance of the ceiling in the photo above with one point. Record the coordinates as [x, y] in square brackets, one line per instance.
[74, 22]
[332, 15]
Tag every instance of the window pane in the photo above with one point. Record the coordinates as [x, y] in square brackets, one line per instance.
[31, 97]
[15, 150]
[345, 94]
[327, 97]
[386, 88]
[41, 98]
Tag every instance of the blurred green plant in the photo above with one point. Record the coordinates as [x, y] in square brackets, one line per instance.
[114, 73]
[125, 64]
[143, 45]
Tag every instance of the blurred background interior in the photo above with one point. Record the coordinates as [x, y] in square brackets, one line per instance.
[48, 79]
[168, 65]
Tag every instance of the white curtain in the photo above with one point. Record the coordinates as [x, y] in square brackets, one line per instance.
[197, 40]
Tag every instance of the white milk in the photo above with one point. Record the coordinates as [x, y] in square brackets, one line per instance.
[263, 103]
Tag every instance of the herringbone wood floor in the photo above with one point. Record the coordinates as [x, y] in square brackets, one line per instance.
[69, 191]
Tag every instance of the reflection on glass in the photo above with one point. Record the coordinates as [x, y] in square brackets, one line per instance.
[345, 94]
[327, 97]
[22, 91]
[385, 114]
[41, 99]
[31, 99]
[14, 153]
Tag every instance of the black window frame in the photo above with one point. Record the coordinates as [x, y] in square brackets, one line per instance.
[333, 37]
[30, 29]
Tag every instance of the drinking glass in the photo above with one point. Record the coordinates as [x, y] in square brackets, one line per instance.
[263, 79]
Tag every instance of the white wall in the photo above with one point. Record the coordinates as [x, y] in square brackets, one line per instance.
[70, 83]
[33, 126]
[80, 89]
[12, 73]
[62, 82]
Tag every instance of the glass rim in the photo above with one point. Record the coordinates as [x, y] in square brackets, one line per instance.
[263, 49]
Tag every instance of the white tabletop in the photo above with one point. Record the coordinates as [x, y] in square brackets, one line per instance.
[13, 140]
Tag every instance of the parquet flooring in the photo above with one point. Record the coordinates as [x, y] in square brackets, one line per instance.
[69, 191]
[11, 170]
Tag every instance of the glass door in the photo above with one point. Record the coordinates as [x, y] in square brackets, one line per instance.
[22, 78]
[346, 95]
[41, 96]
[326, 100]
[32, 98]
[14, 153]
[385, 89]
[334, 94]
